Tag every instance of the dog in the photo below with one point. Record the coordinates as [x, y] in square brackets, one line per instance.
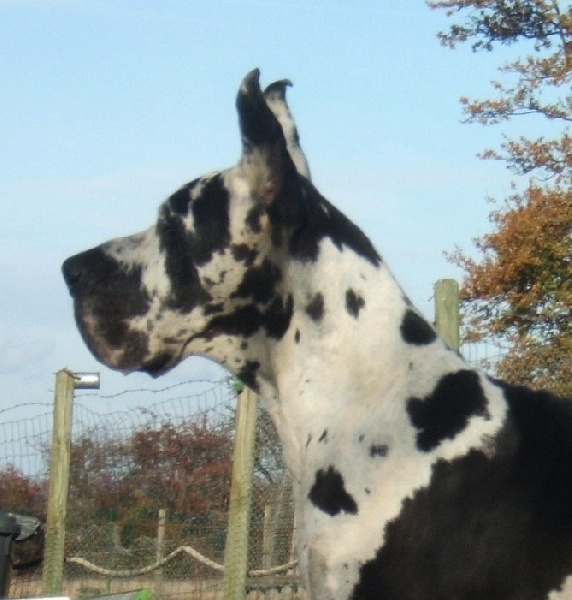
[416, 476]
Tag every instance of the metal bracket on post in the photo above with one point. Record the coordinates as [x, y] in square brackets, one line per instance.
[86, 381]
[66, 383]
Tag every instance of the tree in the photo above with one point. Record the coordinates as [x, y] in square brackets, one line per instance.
[97, 468]
[184, 468]
[22, 494]
[519, 293]
[120, 482]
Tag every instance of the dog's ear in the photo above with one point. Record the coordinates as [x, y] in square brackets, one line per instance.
[265, 161]
[275, 96]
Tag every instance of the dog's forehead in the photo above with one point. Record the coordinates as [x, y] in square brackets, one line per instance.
[205, 195]
[180, 201]
[218, 211]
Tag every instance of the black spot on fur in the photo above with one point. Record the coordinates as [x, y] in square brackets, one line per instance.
[277, 317]
[297, 336]
[177, 244]
[378, 450]
[247, 320]
[329, 493]
[253, 219]
[483, 517]
[415, 330]
[211, 221]
[247, 374]
[354, 303]
[315, 308]
[319, 219]
[447, 410]
[243, 253]
[180, 200]
[213, 308]
[243, 322]
[259, 282]
[324, 437]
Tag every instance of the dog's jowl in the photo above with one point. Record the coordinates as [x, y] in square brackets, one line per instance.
[416, 477]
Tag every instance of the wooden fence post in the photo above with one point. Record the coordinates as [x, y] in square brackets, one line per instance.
[268, 535]
[53, 570]
[160, 553]
[236, 551]
[447, 316]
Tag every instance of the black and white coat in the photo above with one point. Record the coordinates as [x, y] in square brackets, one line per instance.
[416, 476]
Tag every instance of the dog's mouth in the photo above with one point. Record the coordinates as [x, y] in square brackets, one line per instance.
[159, 365]
[129, 357]
[130, 354]
[114, 342]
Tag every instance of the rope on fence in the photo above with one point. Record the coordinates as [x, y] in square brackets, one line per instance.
[160, 563]
[144, 570]
[273, 570]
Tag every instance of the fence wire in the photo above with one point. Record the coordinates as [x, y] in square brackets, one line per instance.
[173, 458]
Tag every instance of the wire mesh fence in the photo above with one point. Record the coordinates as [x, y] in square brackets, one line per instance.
[483, 356]
[149, 495]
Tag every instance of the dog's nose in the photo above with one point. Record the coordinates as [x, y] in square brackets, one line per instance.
[86, 269]
[92, 264]
[73, 269]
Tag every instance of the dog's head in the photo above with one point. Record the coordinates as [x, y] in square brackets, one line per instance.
[209, 277]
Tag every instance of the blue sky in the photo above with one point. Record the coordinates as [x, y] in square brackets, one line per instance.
[107, 107]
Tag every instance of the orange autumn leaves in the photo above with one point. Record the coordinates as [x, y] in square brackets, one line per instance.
[518, 292]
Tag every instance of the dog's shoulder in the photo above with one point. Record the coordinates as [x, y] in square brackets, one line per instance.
[541, 424]
[541, 420]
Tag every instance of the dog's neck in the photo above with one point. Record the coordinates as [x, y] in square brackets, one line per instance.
[346, 354]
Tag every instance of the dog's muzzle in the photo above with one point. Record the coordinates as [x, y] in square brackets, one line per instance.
[108, 297]
[80, 271]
